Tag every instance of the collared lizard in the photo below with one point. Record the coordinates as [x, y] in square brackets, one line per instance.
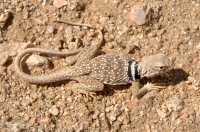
[92, 72]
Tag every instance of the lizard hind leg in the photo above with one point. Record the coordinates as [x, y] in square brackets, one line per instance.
[88, 86]
[85, 54]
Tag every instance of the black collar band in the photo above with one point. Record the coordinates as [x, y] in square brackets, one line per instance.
[129, 73]
[137, 76]
[129, 69]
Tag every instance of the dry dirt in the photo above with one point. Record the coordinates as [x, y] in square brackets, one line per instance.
[172, 30]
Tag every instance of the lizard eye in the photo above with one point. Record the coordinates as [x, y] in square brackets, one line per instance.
[161, 68]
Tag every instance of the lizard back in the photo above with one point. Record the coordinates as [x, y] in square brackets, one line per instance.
[109, 70]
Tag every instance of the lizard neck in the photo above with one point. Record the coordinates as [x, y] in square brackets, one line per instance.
[133, 72]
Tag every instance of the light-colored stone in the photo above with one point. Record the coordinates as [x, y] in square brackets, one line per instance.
[4, 18]
[161, 113]
[198, 46]
[45, 120]
[139, 14]
[3, 57]
[118, 110]
[54, 110]
[174, 104]
[59, 3]
[36, 60]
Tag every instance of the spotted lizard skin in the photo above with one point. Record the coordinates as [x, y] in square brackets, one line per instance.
[93, 71]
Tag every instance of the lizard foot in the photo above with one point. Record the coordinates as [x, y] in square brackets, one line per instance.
[154, 86]
[81, 91]
[88, 86]
[89, 94]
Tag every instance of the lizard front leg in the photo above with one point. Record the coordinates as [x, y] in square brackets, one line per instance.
[146, 88]
[88, 86]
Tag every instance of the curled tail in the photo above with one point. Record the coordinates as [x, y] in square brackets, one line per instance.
[59, 75]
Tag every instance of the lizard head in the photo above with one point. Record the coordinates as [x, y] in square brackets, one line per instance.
[153, 65]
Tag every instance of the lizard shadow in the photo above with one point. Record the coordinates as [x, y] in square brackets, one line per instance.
[9, 21]
[173, 77]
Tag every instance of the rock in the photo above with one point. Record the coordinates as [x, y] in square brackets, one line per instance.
[22, 46]
[195, 83]
[185, 30]
[4, 53]
[74, 45]
[118, 109]
[57, 43]
[3, 57]
[174, 104]
[198, 46]
[117, 126]
[54, 110]
[50, 29]
[135, 101]
[59, 3]
[2, 70]
[4, 18]
[130, 46]
[77, 5]
[108, 109]
[78, 127]
[45, 120]
[161, 113]
[117, 2]
[25, 103]
[50, 95]
[174, 116]
[140, 13]
[10, 50]
[104, 20]
[36, 60]
[110, 45]
[190, 80]
[69, 99]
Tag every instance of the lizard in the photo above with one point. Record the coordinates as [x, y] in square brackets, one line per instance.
[92, 72]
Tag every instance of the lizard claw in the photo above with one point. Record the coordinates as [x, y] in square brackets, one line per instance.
[89, 94]
[151, 86]
[92, 94]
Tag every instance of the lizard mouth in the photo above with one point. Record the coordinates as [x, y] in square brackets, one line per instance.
[160, 70]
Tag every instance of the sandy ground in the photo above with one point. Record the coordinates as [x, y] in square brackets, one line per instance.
[173, 30]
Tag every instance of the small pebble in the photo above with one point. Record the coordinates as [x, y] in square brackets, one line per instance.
[160, 32]
[198, 46]
[118, 109]
[78, 127]
[185, 30]
[50, 29]
[161, 113]
[110, 45]
[50, 95]
[45, 120]
[59, 3]
[4, 57]
[54, 110]
[117, 2]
